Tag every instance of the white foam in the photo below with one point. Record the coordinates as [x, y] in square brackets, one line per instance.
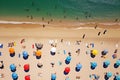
[80, 23]
[20, 22]
[85, 28]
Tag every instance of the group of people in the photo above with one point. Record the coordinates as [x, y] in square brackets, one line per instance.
[68, 59]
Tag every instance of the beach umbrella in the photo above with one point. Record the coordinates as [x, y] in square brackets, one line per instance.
[118, 62]
[95, 52]
[104, 52]
[118, 77]
[109, 74]
[79, 66]
[26, 67]
[38, 53]
[68, 58]
[67, 69]
[107, 62]
[53, 49]
[53, 76]
[27, 77]
[12, 67]
[25, 53]
[93, 64]
[14, 76]
[11, 50]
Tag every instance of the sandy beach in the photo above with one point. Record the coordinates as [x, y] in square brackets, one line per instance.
[59, 39]
[70, 33]
[65, 29]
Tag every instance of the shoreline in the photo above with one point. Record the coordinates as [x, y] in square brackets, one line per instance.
[64, 25]
[56, 29]
[57, 19]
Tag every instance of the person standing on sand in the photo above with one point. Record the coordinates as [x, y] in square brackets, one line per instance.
[43, 26]
[83, 36]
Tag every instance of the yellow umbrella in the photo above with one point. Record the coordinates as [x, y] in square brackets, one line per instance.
[95, 52]
[38, 53]
[11, 50]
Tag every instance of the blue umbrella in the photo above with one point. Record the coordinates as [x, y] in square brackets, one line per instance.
[79, 66]
[109, 74]
[107, 62]
[68, 58]
[53, 76]
[118, 62]
[12, 67]
[25, 53]
[93, 64]
[118, 77]
[14, 76]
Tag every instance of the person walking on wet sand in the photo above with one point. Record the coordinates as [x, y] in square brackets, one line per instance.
[99, 33]
[104, 31]
[95, 26]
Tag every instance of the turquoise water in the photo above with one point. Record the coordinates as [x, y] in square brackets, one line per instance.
[66, 9]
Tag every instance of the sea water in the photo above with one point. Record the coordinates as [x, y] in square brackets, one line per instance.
[65, 9]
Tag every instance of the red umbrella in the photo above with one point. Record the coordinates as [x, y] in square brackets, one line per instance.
[67, 69]
[26, 67]
[27, 77]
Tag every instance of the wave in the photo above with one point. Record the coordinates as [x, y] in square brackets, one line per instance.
[20, 22]
[110, 24]
[85, 28]
[71, 24]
